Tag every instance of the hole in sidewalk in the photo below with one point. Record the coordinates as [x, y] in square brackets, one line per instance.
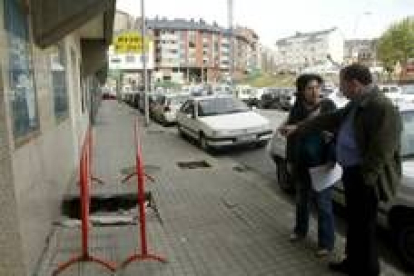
[149, 169]
[194, 164]
[71, 206]
[240, 168]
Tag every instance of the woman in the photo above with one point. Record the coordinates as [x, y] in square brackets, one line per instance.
[308, 151]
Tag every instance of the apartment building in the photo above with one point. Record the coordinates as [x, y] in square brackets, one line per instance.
[361, 50]
[304, 50]
[195, 51]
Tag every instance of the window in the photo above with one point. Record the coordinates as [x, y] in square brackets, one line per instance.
[60, 94]
[23, 95]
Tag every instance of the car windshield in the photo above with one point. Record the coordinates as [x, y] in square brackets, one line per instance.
[408, 89]
[407, 137]
[217, 106]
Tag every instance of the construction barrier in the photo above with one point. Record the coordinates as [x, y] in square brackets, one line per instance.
[85, 178]
[139, 171]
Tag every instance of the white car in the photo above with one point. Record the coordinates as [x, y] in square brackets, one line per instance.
[220, 121]
[392, 91]
[338, 98]
[407, 94]
[396, 215]
[164, 109]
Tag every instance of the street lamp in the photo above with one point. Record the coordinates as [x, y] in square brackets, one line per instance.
[354, 56]
[144, 64]
[230, 19]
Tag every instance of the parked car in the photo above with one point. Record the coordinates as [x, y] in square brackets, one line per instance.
[165, 107]
[151, 100]
[287, 98]
[407, 93]
[270, 98]
[249, 95]
[220, 121]
[392, 91]
[338, 98]
[396, 215]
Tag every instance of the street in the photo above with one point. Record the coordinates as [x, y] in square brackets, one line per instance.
[259, 161]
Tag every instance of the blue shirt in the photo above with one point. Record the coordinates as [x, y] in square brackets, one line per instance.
[347, 151]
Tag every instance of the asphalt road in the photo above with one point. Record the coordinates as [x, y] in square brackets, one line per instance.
[258, 160]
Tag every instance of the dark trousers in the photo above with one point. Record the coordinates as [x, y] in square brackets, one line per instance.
[361, 210]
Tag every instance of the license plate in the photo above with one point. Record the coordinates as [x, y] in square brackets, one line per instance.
[247, 138]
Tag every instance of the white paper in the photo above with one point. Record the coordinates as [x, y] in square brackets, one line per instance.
[325, 176]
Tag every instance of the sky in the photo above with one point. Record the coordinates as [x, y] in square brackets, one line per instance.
[276, 19]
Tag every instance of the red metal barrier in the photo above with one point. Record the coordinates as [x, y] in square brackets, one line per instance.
[93, 177]
[144, 255]
[85, 179]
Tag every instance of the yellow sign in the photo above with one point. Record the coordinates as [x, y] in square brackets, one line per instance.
[130, 43]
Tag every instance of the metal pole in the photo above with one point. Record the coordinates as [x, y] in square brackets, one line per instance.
[230, 19]
[144, 64]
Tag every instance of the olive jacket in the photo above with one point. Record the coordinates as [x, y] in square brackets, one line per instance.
[377, 127]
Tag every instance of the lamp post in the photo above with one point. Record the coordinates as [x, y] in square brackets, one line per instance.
[144, 64]
[354, 56]
[230, 19]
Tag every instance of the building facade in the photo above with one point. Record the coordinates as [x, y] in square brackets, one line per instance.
[123, 22]
[268, 59]
[194, 51]
[52, 63]
[304, 50]
[361, 50]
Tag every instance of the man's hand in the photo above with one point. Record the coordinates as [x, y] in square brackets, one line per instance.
[287, 130]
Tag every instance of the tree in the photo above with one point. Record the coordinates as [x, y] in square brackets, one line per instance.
[397, 44]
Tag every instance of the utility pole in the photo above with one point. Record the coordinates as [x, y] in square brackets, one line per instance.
[230, 22]
[144, 64]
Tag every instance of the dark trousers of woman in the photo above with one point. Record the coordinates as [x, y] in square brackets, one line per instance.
[361, 211]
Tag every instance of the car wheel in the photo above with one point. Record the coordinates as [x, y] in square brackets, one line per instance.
[261, 144]
[405, 244]
[284, 178]
[180, 131]
[203, 143]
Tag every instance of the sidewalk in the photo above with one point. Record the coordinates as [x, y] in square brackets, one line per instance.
[216, 220]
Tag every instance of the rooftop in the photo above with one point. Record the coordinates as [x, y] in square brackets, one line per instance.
[309, 35]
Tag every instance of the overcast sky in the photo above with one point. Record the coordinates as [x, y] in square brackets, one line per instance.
[275, 19]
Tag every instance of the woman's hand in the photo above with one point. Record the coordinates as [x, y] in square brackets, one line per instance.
[287, 130]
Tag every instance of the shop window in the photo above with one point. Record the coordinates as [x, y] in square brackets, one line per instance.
[22, 98]
[59, 87]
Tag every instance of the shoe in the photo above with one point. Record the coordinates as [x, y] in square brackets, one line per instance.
[295, 237]
[323, 252]
[341, 267]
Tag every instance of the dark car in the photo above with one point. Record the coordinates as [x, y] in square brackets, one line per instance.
[287, 98]
[270, 98]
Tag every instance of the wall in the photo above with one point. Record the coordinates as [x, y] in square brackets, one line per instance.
[36, 173]
[11, 262]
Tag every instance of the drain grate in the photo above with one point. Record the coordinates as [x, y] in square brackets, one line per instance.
[194, 165]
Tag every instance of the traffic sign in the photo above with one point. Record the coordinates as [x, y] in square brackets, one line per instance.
[130, 43]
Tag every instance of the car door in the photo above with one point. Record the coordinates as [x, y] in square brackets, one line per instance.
[186, 118]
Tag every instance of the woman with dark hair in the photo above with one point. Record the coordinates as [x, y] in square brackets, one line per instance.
[307, 151]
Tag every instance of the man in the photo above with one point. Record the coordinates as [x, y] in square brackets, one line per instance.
[368, 133]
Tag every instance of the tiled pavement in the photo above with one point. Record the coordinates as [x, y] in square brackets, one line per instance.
[216, 221]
